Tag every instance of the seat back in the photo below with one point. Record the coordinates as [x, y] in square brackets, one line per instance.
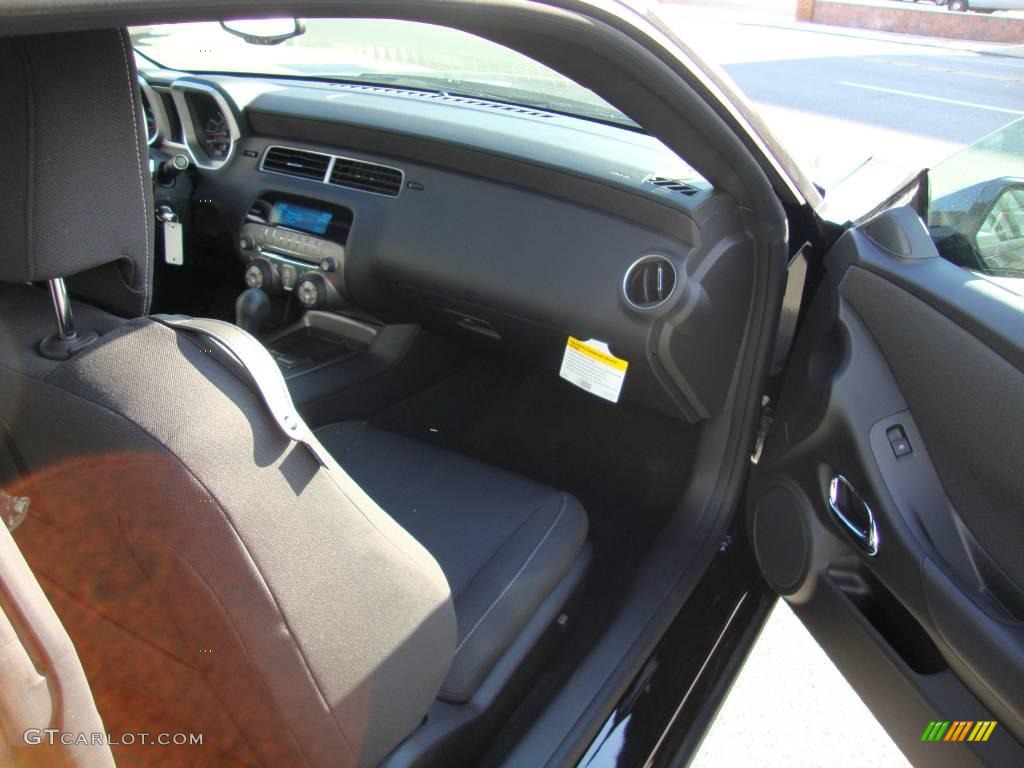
[217, 580]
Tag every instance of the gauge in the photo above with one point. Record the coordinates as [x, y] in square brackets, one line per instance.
[217, 136]
[150, 121]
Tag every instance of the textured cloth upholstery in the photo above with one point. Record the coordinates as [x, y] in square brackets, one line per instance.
[331, 628]
[504, 542]
[74, 179]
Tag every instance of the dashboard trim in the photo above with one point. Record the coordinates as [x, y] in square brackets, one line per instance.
[179, 91]
[672, 217]
[156, 106]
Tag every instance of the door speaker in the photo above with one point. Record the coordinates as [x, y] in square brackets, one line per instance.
[781, 537]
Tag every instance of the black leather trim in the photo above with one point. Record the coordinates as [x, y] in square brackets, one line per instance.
[503, 541]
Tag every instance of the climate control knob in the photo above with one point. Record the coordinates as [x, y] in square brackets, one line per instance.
[311, 291]
[260, 274]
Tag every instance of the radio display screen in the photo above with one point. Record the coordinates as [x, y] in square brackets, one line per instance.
[300, 217]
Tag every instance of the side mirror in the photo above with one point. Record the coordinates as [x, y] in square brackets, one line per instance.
[998, 236]
[264, 31]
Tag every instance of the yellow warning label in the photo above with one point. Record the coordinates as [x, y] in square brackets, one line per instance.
[590, 365]
[596, 354]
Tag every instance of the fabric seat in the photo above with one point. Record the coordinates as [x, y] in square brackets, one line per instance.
[213, 571]
[214, 575]
[502, 541]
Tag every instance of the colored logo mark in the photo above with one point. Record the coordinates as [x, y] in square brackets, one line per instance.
[958, 730]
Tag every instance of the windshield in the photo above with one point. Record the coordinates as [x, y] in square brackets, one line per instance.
[395, 53]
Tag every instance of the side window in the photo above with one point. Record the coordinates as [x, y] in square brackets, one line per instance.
[976, 211]
[1000, 237]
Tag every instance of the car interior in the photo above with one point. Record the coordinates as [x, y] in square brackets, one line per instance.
[352, 422]
[295, 374]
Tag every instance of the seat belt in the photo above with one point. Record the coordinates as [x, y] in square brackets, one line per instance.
[254, 362]
[785, 335]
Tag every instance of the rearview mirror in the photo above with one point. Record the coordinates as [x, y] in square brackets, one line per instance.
[264, 31]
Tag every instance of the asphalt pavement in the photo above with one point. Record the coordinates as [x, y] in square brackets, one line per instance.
[835, 97]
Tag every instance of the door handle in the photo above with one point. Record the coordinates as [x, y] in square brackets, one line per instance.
[853, 515]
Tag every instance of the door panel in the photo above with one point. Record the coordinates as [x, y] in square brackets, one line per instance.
[907, 382]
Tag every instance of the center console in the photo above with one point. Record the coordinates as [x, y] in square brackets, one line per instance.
[337, 367]
[316, 340]
[295, 245]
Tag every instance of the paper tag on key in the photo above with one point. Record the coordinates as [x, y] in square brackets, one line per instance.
[174, 248]
[590, 365]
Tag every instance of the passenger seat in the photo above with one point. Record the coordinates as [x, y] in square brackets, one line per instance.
[504, 543]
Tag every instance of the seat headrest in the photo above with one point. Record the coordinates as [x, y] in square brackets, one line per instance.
[75, 189]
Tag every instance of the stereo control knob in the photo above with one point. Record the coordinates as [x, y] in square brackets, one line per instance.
[246, 243]
[330, 264]
[311, 291]
[259, 274]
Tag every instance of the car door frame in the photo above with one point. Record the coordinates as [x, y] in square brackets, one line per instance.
[922, 628]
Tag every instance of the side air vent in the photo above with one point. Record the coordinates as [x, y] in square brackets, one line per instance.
[673, 185]
[368, 177]
[296, 162]
[174, 129]
[649, 282]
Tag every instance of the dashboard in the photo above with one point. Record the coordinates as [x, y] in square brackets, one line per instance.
[512, 227]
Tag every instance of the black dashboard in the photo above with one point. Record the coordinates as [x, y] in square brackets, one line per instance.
[515, 227]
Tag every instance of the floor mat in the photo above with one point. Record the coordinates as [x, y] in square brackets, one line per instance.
[626, 464]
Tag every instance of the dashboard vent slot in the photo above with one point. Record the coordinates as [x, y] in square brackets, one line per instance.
[368, 177]
[296, 162]
[649, 282]
[259, 212]
[173, 118]
[673, 185]
[441, 96]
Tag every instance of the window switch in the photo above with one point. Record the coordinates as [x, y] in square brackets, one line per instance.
[898, 441]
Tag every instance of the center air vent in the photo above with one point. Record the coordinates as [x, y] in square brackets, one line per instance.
[369, 177]
[296, 162]
[649, 282]
[332, 169]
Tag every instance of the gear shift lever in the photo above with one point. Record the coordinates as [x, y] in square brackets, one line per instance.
[252, 308]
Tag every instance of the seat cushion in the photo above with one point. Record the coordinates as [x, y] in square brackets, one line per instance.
[502, 541]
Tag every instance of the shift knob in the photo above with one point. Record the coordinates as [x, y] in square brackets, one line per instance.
[252, 310]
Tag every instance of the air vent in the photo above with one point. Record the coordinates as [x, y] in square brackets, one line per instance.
[649, 282]
[259, 212]
[296, 162]
[173, 119]
[368, 177]
[673, 185]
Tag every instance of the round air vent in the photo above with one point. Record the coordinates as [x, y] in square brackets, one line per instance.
[649, 282]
